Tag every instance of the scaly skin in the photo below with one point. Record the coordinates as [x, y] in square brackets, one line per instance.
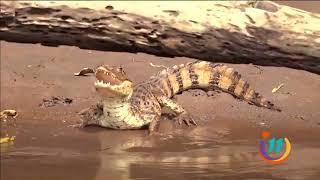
[125, 106]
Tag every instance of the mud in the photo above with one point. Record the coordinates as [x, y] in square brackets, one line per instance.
[53, 101]
[224, 145]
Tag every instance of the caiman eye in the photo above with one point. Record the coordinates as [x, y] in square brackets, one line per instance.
[120, 69]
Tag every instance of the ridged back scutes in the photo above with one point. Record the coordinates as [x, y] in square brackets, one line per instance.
[205, 75]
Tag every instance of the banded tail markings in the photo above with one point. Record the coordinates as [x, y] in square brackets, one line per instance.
[185, 75]
[203, 71]
[226, 79]
[168, 82]
[235, 80]
[239, 87]
[244, 90]
[230, 81]
[204, 75]
[249, 94]
[179, 79]
[193, 77]
[173, 83]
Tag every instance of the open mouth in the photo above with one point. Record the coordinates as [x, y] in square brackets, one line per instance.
[106, 77]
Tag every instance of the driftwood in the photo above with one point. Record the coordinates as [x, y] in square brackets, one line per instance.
[262, 33]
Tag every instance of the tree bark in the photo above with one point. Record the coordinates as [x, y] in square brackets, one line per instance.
[262, 33]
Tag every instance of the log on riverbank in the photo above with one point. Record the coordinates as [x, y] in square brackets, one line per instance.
[262, 33]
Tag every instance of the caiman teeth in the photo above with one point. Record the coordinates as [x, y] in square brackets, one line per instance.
[124, 88]
[100, 83]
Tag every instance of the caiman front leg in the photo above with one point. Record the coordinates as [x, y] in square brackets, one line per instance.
[181, 114]
[91, 115]
[154, 124]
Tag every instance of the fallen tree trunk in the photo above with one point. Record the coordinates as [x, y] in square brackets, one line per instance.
[262, 33]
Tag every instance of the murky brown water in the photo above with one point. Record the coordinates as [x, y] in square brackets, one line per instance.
[199, 153]
[223, 146]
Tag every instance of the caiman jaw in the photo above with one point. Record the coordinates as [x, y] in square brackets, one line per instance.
[112, 82]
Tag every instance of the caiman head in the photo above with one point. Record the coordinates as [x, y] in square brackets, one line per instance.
[112, 82]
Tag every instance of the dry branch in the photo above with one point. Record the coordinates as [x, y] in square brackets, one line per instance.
[262, 33]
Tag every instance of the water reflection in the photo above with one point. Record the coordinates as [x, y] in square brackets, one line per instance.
[189, 157]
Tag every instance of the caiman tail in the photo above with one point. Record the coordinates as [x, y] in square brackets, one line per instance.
[206, 75]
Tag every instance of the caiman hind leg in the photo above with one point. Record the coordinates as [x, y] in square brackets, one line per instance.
[181, 114]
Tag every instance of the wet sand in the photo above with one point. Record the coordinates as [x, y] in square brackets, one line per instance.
[223, 146]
